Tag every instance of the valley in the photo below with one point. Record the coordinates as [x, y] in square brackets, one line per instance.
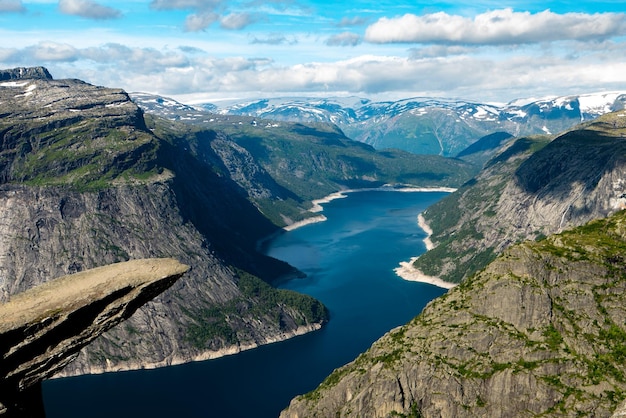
[91, 176]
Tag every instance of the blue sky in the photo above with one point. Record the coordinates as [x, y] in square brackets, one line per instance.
[206, 50]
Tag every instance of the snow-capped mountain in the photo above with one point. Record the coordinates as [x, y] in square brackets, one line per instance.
[425, 125]
[167, 107]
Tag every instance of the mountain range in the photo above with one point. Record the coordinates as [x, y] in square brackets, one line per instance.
[424, 125]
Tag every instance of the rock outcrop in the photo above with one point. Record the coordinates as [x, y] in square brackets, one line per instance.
[43, 328]
[539, 332]
[25, 73]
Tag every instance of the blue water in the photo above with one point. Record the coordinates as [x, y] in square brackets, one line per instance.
[349, 261]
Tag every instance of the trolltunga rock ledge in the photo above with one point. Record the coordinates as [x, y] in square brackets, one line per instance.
[44, 328]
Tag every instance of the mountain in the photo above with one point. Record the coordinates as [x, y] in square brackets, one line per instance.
[535, 187]
[87, 178]
[485, 148]
[539, 332]
[85, 183]
[424, 125]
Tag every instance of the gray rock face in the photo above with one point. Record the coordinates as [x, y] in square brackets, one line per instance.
[25, 73]
[620, 412]
[43, 328]
[539, 332]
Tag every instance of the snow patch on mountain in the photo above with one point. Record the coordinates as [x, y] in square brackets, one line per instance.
[598, 103]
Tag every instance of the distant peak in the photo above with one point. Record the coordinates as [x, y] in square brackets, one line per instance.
[25, 73]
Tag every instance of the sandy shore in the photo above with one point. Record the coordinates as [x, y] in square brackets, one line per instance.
[408, 272]
[317, 203]
[421, 222]
[176, 359]
[308, 221]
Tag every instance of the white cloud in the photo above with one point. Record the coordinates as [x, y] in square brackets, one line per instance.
[135, 59]
[11, 6]
[486, 73]
[351, 21]
[344, 39]
[433, 51]
[236, 21]
[207, 12]
[496, 27]
[89, 9]
[274, 39]
[8, 54]
[185, 4]
[198, 22]
[51, 52]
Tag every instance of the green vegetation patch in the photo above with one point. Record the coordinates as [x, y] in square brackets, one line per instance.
[217, 326]
[85, 156]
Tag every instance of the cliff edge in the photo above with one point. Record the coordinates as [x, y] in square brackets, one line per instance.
[43, 328]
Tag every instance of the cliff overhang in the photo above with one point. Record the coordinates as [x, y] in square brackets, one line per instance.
[44, 328]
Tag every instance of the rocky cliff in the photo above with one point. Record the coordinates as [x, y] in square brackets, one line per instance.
[539, 332]
[43, 328]
[536, 186]
[84, 182]
[25, 73]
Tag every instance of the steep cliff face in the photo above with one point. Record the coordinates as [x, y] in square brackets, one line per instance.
[535, 187]
[539, 332]
[84, 182]
[25, 73]
[43, 328]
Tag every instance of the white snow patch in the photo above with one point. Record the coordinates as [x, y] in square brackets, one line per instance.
[597, 103]
[546, 130]
[518, 112]
[13, 84]
[483, 113]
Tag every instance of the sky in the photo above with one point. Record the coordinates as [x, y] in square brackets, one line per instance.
[209, 50]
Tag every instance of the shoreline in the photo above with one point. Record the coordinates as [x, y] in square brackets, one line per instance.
[317, 203]
[307, 221]
[177, 360]
[421, 222]
[407, 271]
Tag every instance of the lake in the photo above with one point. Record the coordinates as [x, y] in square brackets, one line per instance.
[349, 261]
